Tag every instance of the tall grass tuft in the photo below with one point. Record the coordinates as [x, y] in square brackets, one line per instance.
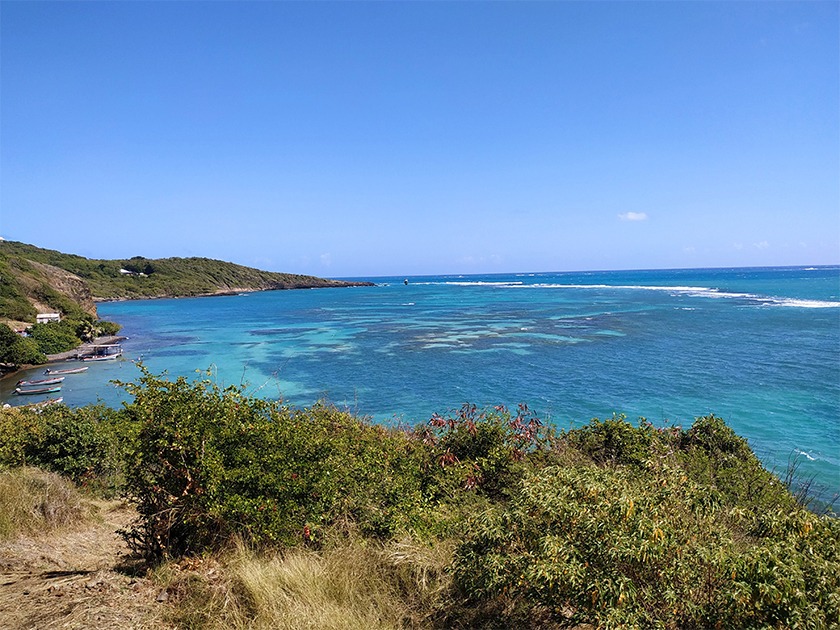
[33, 500]
[359, 585]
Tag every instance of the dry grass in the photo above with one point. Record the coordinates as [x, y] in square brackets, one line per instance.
[357, 585]
[35, 501]
[62, 562]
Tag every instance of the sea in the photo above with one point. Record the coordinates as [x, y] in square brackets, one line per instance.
[758, 347]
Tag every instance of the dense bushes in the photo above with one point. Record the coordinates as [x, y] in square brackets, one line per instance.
[55, 337]
[592, 544]
[214, 463]
[17, 350]
[89, 445]
[211, 463]
[609, 524]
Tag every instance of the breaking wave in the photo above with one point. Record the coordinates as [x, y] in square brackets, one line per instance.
[705, 292]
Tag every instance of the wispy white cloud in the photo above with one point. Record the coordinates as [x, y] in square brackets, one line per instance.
[326, 260]
[761, 245]
[633, 216]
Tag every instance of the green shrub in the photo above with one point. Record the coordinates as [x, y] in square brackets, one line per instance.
[613, 441]
[211, 463]
[17, 350]
[712, 454]
[474, 453]
[88, 445]
[623, 546]
[55, 337]
[107, 328]
[19, 429]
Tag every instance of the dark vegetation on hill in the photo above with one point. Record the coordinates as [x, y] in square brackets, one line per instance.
[610, 524]
[34, 280]
[164, 277]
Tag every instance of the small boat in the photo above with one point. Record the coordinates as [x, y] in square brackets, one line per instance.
[42, 381]
[104, 353]
[78, 370]
[101, 357]
[38, 390]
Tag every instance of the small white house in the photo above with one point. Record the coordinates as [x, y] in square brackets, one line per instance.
[43, 318]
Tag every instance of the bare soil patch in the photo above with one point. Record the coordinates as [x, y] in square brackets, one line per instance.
[78, 577]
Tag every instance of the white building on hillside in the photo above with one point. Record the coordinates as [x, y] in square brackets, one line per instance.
[43, 318]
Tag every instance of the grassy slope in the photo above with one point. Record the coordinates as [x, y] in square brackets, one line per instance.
[24, 283]
[173, 277]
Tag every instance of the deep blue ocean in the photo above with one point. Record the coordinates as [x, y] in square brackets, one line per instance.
[758, 347]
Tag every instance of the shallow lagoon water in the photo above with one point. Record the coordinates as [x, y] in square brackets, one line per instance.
[758, 347]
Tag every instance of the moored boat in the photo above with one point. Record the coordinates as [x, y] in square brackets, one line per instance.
[102, 357]
[41, 381]
[37, 390]
[77, 370]
[106, 352]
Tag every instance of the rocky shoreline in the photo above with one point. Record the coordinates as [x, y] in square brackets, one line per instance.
[336, 284]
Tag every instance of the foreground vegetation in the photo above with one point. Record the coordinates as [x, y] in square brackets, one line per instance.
[33, 500]
[263, 516]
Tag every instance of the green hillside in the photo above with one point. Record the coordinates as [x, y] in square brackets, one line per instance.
[26, 280]
[35, 280]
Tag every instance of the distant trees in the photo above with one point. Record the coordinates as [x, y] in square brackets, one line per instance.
[139, 265]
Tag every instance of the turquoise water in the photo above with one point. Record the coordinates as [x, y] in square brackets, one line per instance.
[758, 347]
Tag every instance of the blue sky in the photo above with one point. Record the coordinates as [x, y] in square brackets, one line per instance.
[363, 139]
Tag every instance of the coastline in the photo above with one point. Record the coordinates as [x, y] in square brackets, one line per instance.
[69, 355]
[82, 349]
[334, 284]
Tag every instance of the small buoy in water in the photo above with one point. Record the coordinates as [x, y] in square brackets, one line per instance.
[405, 281]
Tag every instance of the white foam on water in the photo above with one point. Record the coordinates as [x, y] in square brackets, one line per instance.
[673, 290]
[807, 455]
[483, 283]
[791, 302]
[705, 292]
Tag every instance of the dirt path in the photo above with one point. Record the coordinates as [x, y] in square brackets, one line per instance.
[76, 578]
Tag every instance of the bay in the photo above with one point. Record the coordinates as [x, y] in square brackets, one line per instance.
[758, 347]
